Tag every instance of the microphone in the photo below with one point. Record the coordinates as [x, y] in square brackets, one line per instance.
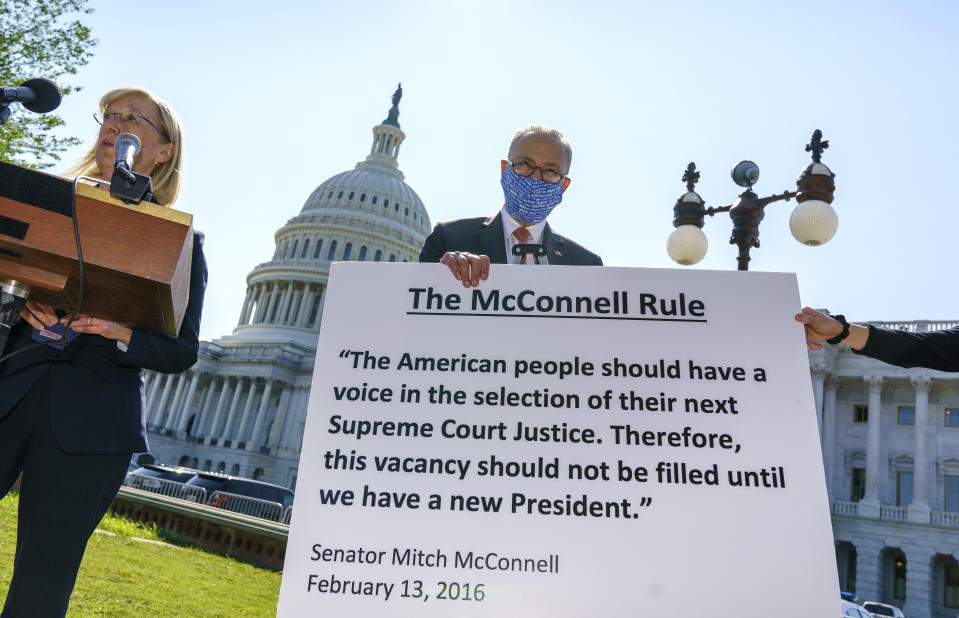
[126, 184]
[126, 146]
[39, 95]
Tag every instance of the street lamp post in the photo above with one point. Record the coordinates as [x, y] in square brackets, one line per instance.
[813, 221]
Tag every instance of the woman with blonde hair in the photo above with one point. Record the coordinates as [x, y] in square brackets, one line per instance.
[71, 417]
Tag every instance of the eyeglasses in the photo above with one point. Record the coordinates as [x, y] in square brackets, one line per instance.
[129, 120]
[525, 169]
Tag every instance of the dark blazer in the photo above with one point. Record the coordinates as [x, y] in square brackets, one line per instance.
[933, 350]
[484, 236]
[96, 390]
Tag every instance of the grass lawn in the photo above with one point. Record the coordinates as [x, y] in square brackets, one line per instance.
[123, 577]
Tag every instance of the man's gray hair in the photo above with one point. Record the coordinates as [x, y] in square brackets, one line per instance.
[541, 129]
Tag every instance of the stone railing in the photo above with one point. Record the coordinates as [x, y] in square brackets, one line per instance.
[892, 513]
[918, 326]
[945, 519]
[939, 519]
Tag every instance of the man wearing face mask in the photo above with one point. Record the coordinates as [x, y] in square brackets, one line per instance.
[534, 178]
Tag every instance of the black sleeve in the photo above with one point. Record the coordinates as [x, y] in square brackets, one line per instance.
[166, 354]
[937, 350]
[434, 246]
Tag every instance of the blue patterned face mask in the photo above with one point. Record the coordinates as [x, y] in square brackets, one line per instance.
[527, 199]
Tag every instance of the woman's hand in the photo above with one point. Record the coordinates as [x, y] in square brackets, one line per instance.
[39, 316]
[89, 325]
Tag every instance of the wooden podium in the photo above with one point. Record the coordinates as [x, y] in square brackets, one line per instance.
[136, 258]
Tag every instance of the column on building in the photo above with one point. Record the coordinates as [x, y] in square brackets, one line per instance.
[245, 307]
[151, 403]
[291, 314]
[158, 411]
[275, 440]
[289, 433]
[257, 308]
[869, 505]
[234, 410]
[829, 428]
[818, 373]
[285, 307]
[182, 415]
[204, 412]
[205, 428]
[270, 300]
[226, 395]
[167, 417]
[306, 303]
[919, 510]
[243, 425]
[255, 438]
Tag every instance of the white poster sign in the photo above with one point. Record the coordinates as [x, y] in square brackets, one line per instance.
[560, 442]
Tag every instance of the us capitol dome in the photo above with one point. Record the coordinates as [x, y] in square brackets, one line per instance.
[241, 409]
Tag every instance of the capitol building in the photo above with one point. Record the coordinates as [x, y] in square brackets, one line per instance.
[241, 409]
[890, 436]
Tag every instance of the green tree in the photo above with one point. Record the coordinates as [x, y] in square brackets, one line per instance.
[40, 38]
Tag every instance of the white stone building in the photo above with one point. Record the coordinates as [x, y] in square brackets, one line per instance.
[242, 407]
[891, 450]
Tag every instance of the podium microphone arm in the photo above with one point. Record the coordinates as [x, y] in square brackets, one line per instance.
[12, 302]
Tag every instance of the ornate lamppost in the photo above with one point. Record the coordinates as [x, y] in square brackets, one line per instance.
[813, 222]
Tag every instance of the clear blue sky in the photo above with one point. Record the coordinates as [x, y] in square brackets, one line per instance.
[277, 98]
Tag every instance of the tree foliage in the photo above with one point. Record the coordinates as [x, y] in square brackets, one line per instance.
[40, 38]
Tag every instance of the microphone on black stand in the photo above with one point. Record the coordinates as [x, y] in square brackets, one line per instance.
[38, 95]
[126, 146]
[12, 302]
[126, 184]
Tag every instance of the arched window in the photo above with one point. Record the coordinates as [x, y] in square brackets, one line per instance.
[306, 248]
[392, 258]
[235, 470]
[332, 251]
[396, 207]
[319, 247]
[351, 196]
[184, 460]
[362, 255]
[221, 467]
[377, 256]
[347, 251]
[407, 211]
[339, 195]
[293, 252]
[374, 199]
[330, 195]
[362, 197]
[258, 474]
[386, 203]
[208, 465]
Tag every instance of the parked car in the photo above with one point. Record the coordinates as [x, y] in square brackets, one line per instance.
[881, 609]
[150, 476]
[852, 610]
[266, 500]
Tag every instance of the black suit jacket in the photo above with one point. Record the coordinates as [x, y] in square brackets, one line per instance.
[484, 236]
[933, 350]
[96, 390]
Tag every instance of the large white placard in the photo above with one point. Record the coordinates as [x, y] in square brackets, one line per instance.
[559, 442]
